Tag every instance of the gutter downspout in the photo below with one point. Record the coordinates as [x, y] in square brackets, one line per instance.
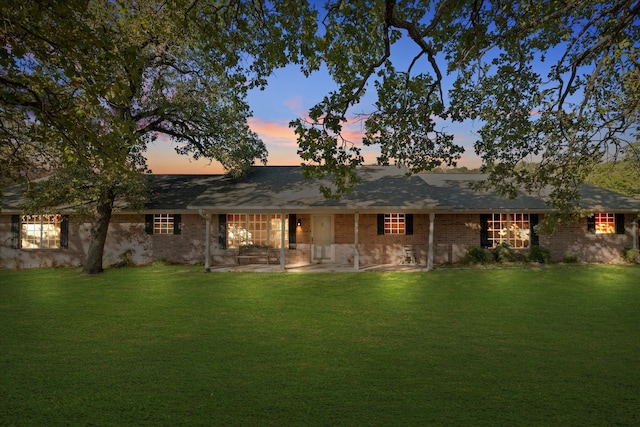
[207, 245]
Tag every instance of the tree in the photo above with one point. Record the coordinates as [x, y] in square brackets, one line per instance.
[553, 84]
[620, 175]
[93, 82]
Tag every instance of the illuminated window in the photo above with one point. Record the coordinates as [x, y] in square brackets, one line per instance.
[163, 224]
[394, 224]
[605, 223]
[166, 224]
[256, 229]
[40, 231]
[513, 229]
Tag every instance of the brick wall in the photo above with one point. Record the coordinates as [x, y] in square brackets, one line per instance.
[588, 247]
[453, 236]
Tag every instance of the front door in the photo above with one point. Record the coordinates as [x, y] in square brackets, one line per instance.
[322, 248]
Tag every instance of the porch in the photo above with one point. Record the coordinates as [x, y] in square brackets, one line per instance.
[317, 268]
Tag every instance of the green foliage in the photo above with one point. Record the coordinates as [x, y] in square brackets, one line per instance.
[570, 259]
[555, 86]
[631, 255]
[88, 85]
[476, 255]
[126, 260]
[539, 254]
[504, 253]
[621, 174]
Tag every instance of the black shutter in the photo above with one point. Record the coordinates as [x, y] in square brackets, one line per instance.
[15, 231]
[148, 224]
[292, 231]
[619, 223]
[380, 224]
[484, 230]
[591, 224]
[177, 223]
[533, 221]
[408, 224]
[222, 231]
[64, 232]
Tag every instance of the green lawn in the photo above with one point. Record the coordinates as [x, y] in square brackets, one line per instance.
[174, 346]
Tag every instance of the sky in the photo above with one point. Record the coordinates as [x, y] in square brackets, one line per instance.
[288, 96]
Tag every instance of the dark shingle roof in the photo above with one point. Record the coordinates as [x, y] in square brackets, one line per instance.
[175, 192]
[383, 189]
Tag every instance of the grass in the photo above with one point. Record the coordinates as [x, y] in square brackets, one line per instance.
[173, 346]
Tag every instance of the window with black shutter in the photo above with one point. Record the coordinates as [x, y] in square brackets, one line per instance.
[222, 231]
[292, 231]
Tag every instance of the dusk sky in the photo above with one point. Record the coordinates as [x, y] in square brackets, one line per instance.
[288, 96]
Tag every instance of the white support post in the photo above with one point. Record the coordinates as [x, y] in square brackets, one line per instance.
[356, 249]
[282, 253]
[207, 240]
[432, 220]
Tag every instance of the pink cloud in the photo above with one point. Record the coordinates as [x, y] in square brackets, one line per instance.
[273, 133]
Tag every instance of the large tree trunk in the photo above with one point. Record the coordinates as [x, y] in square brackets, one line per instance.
[99, 228]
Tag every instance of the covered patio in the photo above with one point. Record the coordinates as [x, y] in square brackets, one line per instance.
[315, 268]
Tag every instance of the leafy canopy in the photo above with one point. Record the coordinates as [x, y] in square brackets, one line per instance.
[554, 86]
[93, 83]
[87, 85]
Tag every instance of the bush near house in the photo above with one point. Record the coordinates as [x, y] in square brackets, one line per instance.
[631, 255]
[504, 253]
[570, 259]
[539, 254]
[476, 255]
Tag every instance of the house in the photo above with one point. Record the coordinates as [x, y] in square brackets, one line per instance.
[389, 218]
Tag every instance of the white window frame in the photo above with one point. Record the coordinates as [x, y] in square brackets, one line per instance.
[163, 224]
[256, 229]
[509, 228]
[605, 223]
[395, 224]
[41, 231]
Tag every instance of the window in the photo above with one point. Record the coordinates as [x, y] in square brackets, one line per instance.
[606, 223]
[40, 231]
[163, 224]
[514, 229]
[256, 229]
[395, 223]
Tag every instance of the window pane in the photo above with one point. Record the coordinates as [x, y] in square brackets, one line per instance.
[605, 223]
[41, 231]
[163, 224]
[256, 229]
[275, 223]
[236, 230]
[394, 224]
[512, 229]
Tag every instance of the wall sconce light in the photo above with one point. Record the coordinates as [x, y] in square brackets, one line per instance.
[299, 222]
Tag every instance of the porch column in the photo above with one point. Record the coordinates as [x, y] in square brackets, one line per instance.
[207, 240]
[432, 220]
[282, 224]
[356, 249]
